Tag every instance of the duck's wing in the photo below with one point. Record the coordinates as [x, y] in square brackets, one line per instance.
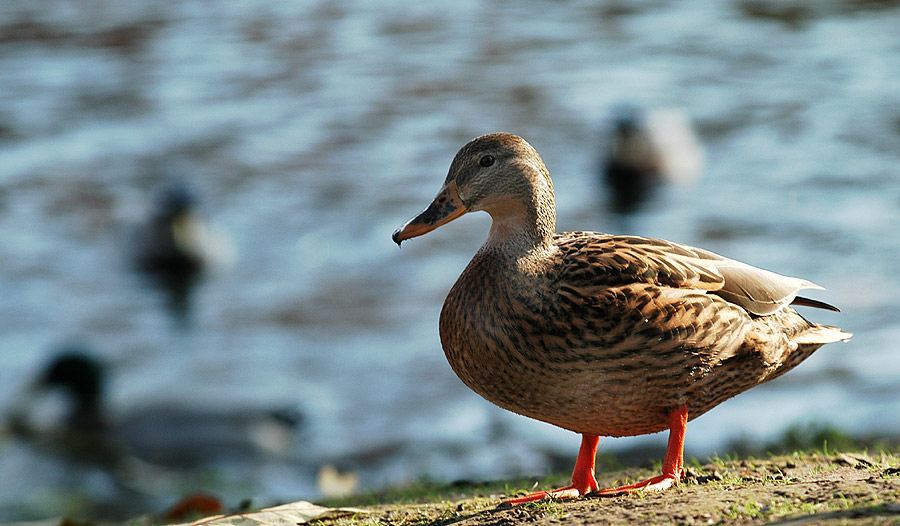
[614, 295]
[597, 260]
[757, 290]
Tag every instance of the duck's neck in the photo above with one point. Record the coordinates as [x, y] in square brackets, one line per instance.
[87, 411]
[519, 230]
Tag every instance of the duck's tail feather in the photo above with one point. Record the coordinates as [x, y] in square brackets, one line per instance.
[821, 334]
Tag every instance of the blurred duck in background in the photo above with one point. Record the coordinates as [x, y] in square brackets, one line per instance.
[175, 245]
[175, 238]
[647, 149]
[165, 436]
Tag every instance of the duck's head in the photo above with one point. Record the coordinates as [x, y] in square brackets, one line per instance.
[174, 200]
[501, 174]
[78, 374]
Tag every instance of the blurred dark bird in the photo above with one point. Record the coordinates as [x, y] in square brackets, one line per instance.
[175, 239]
[175, 245]
[648, 149]
[169, 435]
[601, 334]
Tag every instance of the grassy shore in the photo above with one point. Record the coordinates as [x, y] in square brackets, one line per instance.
[817, 487]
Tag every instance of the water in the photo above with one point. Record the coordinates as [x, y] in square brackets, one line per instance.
[311, 130]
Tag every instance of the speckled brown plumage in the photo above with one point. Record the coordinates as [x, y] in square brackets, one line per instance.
[628, 336]
[600, 334]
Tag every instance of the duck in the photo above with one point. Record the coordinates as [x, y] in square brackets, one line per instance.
[167, 436]
[175, 246]
[645, 150]
[601, 334]
[174, 238]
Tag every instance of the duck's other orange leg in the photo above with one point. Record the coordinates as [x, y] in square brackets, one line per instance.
[672, 465]
[583, 480]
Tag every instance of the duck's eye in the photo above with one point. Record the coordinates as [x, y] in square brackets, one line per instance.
[486, 161]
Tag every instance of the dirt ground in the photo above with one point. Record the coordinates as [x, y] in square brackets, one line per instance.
[799, 489]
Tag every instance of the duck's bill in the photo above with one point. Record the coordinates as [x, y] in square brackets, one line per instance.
[446, 207]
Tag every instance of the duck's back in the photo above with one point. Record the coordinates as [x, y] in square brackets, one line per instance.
[606, 334]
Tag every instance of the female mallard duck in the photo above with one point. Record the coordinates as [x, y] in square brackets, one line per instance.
[601, 334]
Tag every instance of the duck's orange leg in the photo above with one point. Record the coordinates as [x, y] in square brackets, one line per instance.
[583, 481]
[672, 465]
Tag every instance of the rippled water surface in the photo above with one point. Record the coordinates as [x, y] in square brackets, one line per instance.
[311, 130]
